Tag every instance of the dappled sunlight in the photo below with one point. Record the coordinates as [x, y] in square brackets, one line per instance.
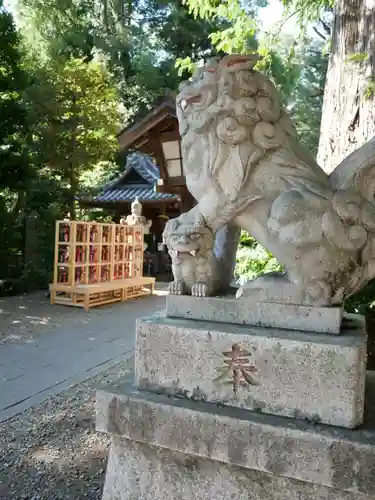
[58, 443]
[85, 447]
[45, 454]
[13, 337]
[28, 316]
[60, 418]
[23, 317]
[37, 320]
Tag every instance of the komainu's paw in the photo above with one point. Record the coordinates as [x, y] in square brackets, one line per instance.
[176, 288]
[200, 290]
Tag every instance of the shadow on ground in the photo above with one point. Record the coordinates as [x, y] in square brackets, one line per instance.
[24, 317]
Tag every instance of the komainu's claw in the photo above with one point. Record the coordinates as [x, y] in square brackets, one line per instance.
[176, 288]
[199, 290]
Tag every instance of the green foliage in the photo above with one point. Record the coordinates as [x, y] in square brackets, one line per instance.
[16, 172]
[363, 301]
[11, 233]
[58, 28]
[370, 90]
[76, 109]
[237, 33]
[59, 120]
[75, 112]
[14, 165]
[138, 41]
[306, 11]
[180, 33]
[305, 99]
[358, 57]
[185, 65]
[361, 58]
[297, 66]
[253, 260]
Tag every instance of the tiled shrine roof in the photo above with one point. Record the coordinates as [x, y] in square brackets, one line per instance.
[129, 193]
[139, 179]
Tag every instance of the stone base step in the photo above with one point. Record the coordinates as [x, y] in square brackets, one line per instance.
[245, 312]
[173, 449]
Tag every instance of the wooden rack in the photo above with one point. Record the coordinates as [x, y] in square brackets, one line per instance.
[98, 264]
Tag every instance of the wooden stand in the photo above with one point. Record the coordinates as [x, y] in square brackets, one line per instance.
[98, 264]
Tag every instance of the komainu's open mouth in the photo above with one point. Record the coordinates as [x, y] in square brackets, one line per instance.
[191, 100]
[194, 99]
[190, 252]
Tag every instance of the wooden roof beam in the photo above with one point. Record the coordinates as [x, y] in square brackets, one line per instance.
[157, 147]
[128, 137]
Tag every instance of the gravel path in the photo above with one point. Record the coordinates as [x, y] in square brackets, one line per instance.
[52, 452]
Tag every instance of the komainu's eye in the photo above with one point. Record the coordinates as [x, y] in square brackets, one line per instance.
[195, 236]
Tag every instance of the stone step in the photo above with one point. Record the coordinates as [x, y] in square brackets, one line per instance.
[167, 448]
[246, 312]
[316, 377]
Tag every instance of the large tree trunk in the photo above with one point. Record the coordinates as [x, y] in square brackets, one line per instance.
[73, 193]
[105, 16]
[73, 178]
[348, 119]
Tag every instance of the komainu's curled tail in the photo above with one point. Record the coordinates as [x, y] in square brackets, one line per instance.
[357, 172]
[354, 181]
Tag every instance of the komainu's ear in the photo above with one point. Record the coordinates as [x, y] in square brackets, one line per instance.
[212, 65]
[195, 218]
[236, 62]
[169, 227]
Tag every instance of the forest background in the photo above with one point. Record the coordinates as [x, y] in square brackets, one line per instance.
[74, 72]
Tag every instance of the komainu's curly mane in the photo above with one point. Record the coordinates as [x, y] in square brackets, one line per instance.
[231, 119]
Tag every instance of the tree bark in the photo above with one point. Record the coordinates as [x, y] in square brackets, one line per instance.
[73, 193]
[105, 16]
[348, 118]
[73, 180]
[18, 206]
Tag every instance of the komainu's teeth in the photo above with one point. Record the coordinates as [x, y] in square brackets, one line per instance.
[192, 252]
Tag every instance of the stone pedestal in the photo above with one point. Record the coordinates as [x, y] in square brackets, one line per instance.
[319, 378]
[166, 448]
[219, 410]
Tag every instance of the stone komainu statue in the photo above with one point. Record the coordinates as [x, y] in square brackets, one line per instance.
[244, 165]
